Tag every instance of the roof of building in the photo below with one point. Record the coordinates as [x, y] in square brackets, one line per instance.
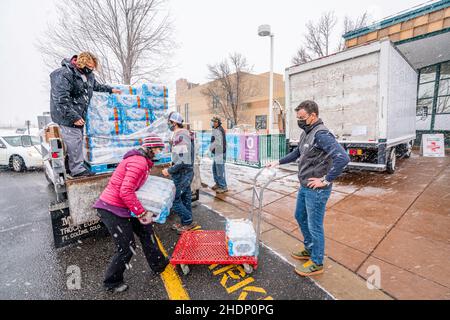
[408, 14]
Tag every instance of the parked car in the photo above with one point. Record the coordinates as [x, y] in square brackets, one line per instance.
[19, 151]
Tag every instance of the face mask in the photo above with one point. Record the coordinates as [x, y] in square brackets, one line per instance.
[303, 125]
[212, 124]
[171, 127]
[157, 157]
[86, 70]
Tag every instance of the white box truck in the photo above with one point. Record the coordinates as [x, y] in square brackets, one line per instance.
[367, 98]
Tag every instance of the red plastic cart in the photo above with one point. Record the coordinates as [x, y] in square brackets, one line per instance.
[210, 247]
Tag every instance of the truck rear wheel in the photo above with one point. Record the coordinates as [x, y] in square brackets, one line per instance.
[391, 162]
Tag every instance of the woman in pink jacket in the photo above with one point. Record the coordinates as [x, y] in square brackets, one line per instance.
[123, 214]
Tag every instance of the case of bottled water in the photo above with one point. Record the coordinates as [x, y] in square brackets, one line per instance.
[137, 114]
[241, 238]
[104, 113]
[154, 90]
[157, 195]
[103, 128]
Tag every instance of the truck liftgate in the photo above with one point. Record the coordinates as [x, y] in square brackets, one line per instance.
[72, 215]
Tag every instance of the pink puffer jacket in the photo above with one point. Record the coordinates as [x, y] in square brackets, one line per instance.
[128, 177]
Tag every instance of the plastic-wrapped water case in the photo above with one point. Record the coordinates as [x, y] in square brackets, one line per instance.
[241, 238]
[127, 101]
[158, 127]
[105, 155]
[127, 89]
[154, 90]
[103, 113]
[100, 99]
[130, 127]
[156, 103]
[103, 128]
[160, 113]
[157, 195]
[137, 114]
[103, 142]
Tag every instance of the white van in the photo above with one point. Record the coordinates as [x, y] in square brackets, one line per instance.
[19, 151]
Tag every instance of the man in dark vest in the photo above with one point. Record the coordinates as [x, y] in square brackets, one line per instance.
[321, 159]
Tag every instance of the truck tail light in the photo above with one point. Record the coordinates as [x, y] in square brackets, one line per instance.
[355, 152]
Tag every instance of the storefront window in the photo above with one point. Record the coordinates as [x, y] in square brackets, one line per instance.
[426, 90]
[444, 87]
[445, 70]
[428, 74]
[427, 102]
[424, 107]
[443, 105]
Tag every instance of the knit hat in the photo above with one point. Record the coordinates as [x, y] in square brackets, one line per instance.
[176, 117]
[153, 141]
[216, 119]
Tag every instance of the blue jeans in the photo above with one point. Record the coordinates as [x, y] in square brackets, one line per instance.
[218, 169]
[183, 195]
[310, 212]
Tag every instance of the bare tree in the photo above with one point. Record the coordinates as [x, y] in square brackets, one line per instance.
[319, 37]
[230, 85]
[301, 56]
[354, 24]
[132, 38]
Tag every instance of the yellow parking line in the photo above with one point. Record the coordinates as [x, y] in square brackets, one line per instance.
[172, 281]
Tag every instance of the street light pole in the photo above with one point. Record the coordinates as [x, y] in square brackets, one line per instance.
[265, 31]
[271, 86]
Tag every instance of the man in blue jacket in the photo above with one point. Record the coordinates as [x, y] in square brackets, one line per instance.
[182, 172]
[321, 159]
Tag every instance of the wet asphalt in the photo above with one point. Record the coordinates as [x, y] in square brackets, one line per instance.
[31, 267]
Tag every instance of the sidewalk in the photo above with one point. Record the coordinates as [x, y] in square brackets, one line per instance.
[399, 223]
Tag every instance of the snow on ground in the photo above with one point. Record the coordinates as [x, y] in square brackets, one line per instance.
[240, 176]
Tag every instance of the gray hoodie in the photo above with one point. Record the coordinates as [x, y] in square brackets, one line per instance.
[182, 152]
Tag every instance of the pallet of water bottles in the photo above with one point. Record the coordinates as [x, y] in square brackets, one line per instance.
[114, 121]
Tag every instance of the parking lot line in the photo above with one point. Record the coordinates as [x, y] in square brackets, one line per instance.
[172, 280]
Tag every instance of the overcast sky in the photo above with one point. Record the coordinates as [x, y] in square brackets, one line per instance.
[206, 30]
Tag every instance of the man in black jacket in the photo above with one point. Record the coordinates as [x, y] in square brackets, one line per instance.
[72, 86]
[219, 151]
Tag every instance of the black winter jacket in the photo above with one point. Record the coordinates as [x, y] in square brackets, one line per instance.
[70, 94]
[221, 136]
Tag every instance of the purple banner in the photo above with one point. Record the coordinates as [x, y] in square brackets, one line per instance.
[249, 148]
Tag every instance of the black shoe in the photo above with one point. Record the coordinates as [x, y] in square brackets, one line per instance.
[119, 289]
[161, 268]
